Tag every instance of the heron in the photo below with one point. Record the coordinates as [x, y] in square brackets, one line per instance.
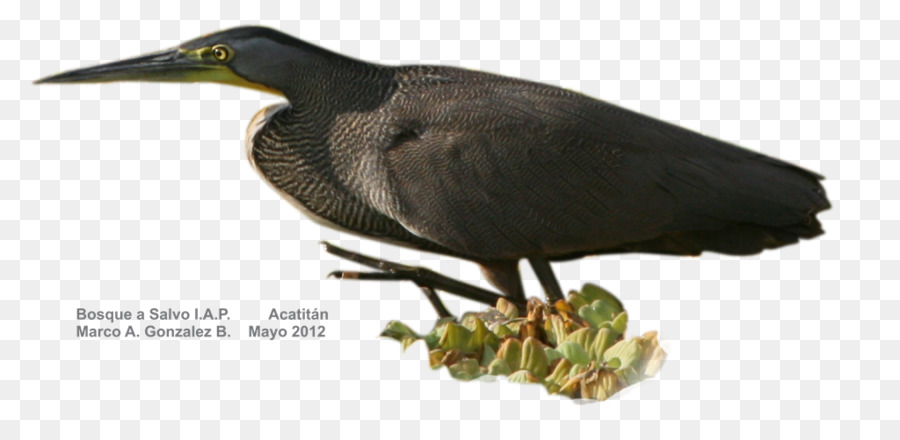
[483, 167]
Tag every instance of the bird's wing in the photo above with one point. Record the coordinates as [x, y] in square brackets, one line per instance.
[498, 168]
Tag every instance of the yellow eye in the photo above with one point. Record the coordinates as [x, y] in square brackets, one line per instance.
[221, 53]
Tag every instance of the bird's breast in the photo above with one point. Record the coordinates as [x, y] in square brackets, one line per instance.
[282, 183]
[289, 150]
[260, 119]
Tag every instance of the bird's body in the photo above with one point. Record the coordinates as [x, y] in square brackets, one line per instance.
[495, 169]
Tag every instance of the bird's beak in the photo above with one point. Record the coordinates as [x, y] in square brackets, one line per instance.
[166, 65]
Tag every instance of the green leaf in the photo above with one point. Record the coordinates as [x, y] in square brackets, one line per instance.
[488, 355]
[533, 358]
[468, 321]
[399, 331]
[574, 353]
[605, 338]
[560, 374]
[455, 337]
[435, 358]
[555, 328]
[593, 317]
[514, 325]
[577, 300]
[466, 369]
[552, 354]
[591, 362]
[511, 352]
[641, 358]
[433, 338]
[502, 331]
[593, 293]
[598, 313]
[583, 336]
[481, 336]
[577, 369]
[620, 323]
[523, 376]
[628, 352]
[597, 305]
[499, 367]
[507, 308]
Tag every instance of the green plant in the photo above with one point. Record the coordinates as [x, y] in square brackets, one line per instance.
[575, 348]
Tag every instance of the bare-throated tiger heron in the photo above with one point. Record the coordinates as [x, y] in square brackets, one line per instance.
[484, 167]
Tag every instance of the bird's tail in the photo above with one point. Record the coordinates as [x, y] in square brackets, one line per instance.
[761, 203]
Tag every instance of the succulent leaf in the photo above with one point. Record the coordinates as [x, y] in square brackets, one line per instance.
[400, 332]
[598, 313]
[600, 384]
[578, 369]
[574, 353]
[451, 357]
[652, 354]
[560, 373]
[555, 329]
[573, 348]
[434, 337]
[533, 358]
[466, 369]
[523, 376]
[604, 339]
[488, 355]
[435, 357]
[583, 337]
[628, 351]
[481, 336]
[502, 331]
[514, 325]
[620, 323]
[455, 337]
[592, 293]
[511, 352]
[499, 367]
[577, 300]
[552, 354]
[507, 308]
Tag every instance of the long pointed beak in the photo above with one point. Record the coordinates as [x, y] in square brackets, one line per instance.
[166, 65]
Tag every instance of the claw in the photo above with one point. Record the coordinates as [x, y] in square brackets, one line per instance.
[341, 275]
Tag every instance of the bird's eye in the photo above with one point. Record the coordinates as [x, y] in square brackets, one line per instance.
[221, 53]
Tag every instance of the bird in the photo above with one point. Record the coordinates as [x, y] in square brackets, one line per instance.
[483, 167]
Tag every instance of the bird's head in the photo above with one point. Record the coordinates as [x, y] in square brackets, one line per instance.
[255, 57]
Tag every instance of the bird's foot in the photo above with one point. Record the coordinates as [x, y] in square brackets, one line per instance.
[426, 279]
[430, 294]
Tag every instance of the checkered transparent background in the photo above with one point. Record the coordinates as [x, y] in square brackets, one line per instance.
[131, 196]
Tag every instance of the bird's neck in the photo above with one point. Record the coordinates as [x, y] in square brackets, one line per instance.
[332, 83]
[321, 86]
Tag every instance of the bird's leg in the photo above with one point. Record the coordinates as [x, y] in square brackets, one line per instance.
[424, 278]
[504, 275]
[548, 281]
[436, 302]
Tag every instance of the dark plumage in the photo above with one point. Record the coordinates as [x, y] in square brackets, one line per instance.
[495, 169]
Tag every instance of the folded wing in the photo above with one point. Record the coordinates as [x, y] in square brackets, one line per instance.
[500, 168]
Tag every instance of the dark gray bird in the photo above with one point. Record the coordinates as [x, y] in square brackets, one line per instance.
[484, 167]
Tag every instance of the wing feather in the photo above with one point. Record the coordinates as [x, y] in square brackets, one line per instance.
[502, 168]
